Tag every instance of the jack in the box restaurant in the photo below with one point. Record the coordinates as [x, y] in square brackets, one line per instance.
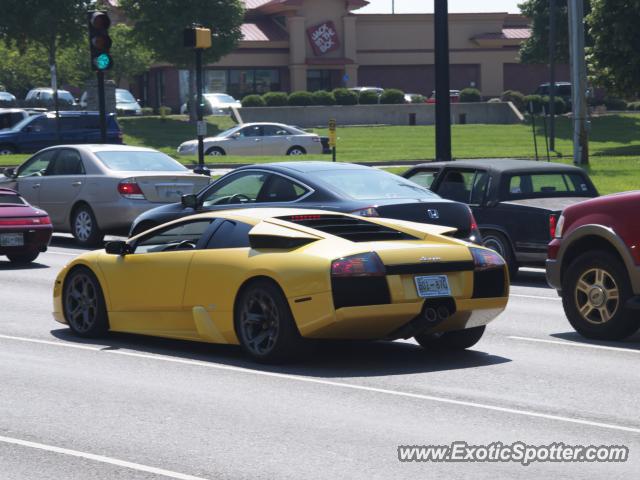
[291, 45]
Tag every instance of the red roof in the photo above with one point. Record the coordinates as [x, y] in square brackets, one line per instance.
[262, 31]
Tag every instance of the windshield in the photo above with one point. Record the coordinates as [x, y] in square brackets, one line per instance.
[220, 98]
[65, 96]
[133, 161]
[373, 184]
[124, 96]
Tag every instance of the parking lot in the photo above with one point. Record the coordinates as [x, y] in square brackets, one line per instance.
[134, 407]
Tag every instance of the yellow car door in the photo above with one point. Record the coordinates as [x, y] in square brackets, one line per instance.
[145, 288]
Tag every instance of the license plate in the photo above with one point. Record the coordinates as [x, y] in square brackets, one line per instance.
[11, 239]
[433, 286]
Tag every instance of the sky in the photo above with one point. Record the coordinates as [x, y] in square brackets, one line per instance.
[455, 6]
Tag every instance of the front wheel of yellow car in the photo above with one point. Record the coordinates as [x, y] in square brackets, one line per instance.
[264, 324]
[457, 340]
[83, 304]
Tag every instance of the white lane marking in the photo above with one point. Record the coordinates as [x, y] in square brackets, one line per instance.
[100, 458]
[538, 297]
[351, 386]
[578, 345]
[48, 342]
[63, 253]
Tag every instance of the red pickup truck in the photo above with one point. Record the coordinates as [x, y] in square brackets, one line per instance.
[594, 263]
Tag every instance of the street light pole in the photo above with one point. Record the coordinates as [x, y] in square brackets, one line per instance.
[579, 83]
[552, 74]
[443, 106]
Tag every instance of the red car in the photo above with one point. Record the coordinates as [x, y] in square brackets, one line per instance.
[25, 231]
[454, 97]
[594, 263]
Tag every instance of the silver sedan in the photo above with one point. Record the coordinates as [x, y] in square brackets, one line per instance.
[93, 190]
[259, 139]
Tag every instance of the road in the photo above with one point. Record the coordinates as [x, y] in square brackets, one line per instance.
[128, 407]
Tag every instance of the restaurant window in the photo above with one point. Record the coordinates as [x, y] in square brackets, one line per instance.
[215, 81]
[245, 82]
[319, 80]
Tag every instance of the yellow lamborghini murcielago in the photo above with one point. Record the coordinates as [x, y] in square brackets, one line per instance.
[269, 278]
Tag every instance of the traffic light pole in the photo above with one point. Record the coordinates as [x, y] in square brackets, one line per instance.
[552, 74]
[102, 107]
[200, 113]
[443, 106]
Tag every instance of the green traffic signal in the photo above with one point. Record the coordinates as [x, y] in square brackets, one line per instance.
[103, 61]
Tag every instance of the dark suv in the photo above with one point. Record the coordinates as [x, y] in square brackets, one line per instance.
[40, 131]
[594, 263]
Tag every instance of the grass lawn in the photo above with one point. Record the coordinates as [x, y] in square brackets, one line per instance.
[614, 144]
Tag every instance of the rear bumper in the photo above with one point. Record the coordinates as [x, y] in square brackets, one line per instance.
[120, 214]
[36, 239]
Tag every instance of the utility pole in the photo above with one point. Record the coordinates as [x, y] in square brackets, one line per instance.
[553, 10]
[443, 106]
[393, 7]
[579, 82]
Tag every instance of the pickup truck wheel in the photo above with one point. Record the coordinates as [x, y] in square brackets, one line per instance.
[456, 340]
[595, 289]
[497, 242]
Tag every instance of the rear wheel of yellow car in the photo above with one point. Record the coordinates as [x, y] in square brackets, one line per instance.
[264, 324]
[83, 304]
[456, 340]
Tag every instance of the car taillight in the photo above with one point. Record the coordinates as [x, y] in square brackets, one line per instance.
[559, 227]
[361, 265]
[553, 224]
[366, 212]
[474, 232]
[484, 259]
[304, 218]
[25, 221]
[130, 189]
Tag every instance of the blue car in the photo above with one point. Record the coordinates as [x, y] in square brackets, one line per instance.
[39, 131]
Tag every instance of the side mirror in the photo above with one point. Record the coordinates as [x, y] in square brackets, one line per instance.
[117, 248]
[9, 172]
[190, 201]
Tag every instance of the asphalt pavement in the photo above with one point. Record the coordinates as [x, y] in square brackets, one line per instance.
[130, 407]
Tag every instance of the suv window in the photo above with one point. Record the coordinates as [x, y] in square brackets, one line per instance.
[184, 236]
[37, 164]
[68, 162]
[280, 189]
[240, 188]
[231, 234]
[464, 186]
[424, 178]
[548, 185]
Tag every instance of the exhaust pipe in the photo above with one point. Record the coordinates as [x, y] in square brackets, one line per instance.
[430, 315]
[433, 314]
[443, 313]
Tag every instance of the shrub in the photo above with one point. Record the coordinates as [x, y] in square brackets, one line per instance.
[322, 97]
[392, 96]
[514, 97]
[345, 96]
[368, 97]
[615, 103]
[561, 105]
[300, 99]
[494, 100]
[418, 99]
[275, 99]
[635, 106]
[470, 95]
[164, 110]
[146, 111]
[253, 101]
[534, 101]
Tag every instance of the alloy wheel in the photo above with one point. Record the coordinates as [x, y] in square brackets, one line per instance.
[83, 225]
[81, 303]
[597, 296]
[260, 323]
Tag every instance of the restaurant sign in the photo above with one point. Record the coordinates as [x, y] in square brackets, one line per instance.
[323, 38]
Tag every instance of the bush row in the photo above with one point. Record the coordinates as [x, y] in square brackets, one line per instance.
[340, 96]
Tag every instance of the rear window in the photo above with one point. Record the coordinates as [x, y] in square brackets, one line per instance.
[549, 185]
[132, 161]
[372, 184]
[7, 198]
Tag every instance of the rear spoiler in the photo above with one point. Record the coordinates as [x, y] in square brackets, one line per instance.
[270, 235]
[420, 230]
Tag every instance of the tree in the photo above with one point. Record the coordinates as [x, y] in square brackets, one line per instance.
[130, 57]
[616, 41]
[159, 25]
[536, 48]
[51, 24]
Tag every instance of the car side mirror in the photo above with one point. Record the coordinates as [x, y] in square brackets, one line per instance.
[117, 248]
[9, 172]
[190, 201]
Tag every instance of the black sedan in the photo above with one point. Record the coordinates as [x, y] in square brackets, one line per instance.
[340, 187]
[516, 202]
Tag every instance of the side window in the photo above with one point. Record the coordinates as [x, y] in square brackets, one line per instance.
[457, 186]
[479, 189]
[37, 165]
[241, 188]
[280, 189]
[68, 162]
[255, 131]
[184, 236]
[41, 125]
[424, 178]
[274, 131]
[231, 234]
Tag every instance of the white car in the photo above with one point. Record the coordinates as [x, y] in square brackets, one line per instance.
[260, 139]
[215, 104]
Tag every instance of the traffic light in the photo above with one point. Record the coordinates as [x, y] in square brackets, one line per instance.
[99, 40]
[197, 37]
